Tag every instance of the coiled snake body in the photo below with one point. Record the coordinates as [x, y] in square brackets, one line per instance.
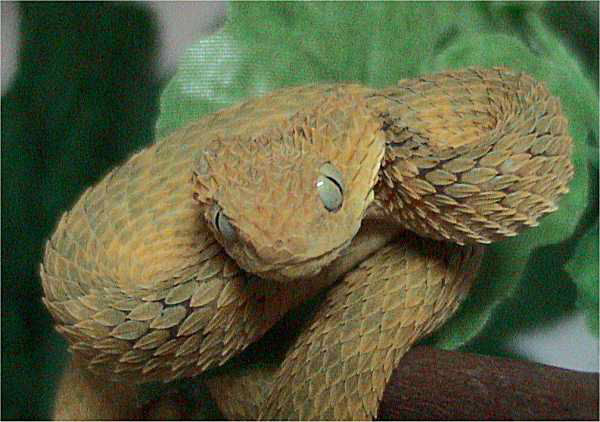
[191, 250]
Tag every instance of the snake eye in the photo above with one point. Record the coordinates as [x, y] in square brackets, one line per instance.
[330, 187]
[223, 225]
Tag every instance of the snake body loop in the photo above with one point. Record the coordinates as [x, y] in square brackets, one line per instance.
[146, 286]
[473, 156]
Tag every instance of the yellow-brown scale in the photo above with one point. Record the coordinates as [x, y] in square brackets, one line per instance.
[144, 287]
[266, 187]
[338, 367]
[473, 156]
[135, 279]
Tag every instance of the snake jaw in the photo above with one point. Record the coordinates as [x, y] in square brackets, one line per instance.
[290, 272]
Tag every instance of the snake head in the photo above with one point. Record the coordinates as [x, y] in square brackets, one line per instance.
[288, 201]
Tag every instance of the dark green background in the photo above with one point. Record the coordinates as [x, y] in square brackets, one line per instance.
[83, 99]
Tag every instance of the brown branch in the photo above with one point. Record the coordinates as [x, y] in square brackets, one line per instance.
[433, 384]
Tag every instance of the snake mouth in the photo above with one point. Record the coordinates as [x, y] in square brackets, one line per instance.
[290, 270]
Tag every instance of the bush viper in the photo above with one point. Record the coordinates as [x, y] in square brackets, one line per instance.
[191, 250]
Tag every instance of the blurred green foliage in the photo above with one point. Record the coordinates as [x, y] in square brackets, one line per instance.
[84, 99]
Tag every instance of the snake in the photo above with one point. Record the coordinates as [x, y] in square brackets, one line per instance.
[197, 245]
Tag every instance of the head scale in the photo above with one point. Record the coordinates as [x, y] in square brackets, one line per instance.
[287, 202]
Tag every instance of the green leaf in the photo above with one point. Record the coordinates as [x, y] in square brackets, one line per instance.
[583, 268]
[509, 265]
[268, 46]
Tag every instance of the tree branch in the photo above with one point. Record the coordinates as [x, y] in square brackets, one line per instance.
[434, 384]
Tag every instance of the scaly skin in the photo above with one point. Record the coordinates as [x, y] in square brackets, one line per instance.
[145, 286]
